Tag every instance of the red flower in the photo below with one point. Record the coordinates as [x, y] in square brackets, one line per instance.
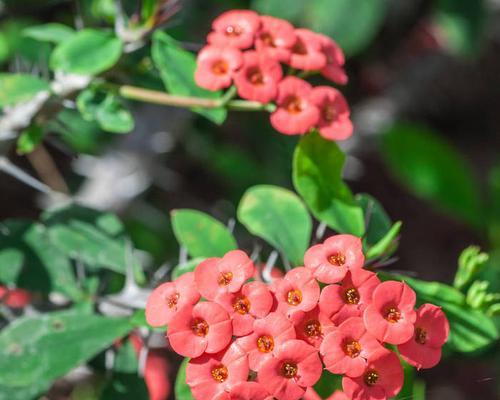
[234, 28]
[390, 316]
[268, 335]
[206, 327]
[258, 78]
[350, 298]
[218, 276]
[331, 260]
[334, 122]
[307, 52]
[249, 391]
[216, 66]
[382, 379]
[296, 114]
[346, 350]
[276, 38]
[297, 291]
[169, 297]
[338, 395]
[254, 300]
[213, 374]
[335, 60]
[15, 298]
[423, 350]
[295, 367]
[311, 326]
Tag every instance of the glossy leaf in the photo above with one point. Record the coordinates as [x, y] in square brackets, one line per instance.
[51, 32]
[201, 234]
[177, 67]
[113, 117]
[434, 292]
[432, 169]
[182, 390]
[29, 139]
[18, 88]
[317, 177]
[33, 345]
[88, 52]
[279, 217]
[470, 262]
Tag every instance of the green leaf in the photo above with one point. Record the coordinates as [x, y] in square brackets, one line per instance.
[328, 384]
[88, 52]
[279, 217]
[470, 263]
[33, 345]
[29, 139]
[186, 267]
[201, 234]
[352, 23]
[461, 25]
[182, 390]
[433, 170]
[387, 244]
[51, 32]
[18, 88]
[37, 265]
[93, 237]
[317, 177]
[126, 359]
[177, 68]
[113, 117]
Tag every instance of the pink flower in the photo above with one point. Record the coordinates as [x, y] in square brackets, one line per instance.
[346, 350]
[307, 52]
[338, 395]
[216, 67]
[295, 367]
[234, 28]
[297, 291]
[382, 379]
[334, 122]
[331, 260]
[390, 316]
[335, 60]
[258, 78]
[249, 391]
[206, 327]
[254, 300]
[167, 298]
[311, 394]
[311, 326]
[423, 350]
[218, 276]
[213, 374]
[276, 38]
[350, 298]
[295, 114]
[269, 333]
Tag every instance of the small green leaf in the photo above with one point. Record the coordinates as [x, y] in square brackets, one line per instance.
[51, 32]
[113, 117]
[18, 88]
[279, 217]
[33, 345]
[470, 263]
[317, 169]
[385, 245]
[88, 52]
[186, 267]
[434, 170]
[29, 139]
[177, 68]
[201, 234]
[182, 390]
[126, 359]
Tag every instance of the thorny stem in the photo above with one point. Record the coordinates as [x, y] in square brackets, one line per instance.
[153, 96]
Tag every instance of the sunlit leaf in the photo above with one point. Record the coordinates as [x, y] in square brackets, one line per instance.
[17, 88]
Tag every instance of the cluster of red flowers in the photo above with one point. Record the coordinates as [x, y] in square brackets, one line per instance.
[248, 49]
[252, 340]
[14, 298]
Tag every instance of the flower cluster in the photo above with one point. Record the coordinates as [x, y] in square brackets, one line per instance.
[252, 340]
[248, 49]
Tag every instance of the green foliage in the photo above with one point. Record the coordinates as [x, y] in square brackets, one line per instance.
[201, 234]
[29, 139]
[470, 263]
[51, 32]
[182, 390]
[92, 237]
[432, 169]
[186, 267]
[327, 384]
[279, 217]
[177, 67]
[88, 52]
[352, 23]
[17, 88]
[317, 177]
[33, 346]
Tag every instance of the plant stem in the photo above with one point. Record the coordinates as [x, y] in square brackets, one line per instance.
[156, 97]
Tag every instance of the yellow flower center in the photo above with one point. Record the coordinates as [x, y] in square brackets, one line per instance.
[199, 327]
[220, 373]
[265, 344]
[294, 297]
[289, 369]
[225, 278]
[241, 305]
[312, 328]
[371, 377]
